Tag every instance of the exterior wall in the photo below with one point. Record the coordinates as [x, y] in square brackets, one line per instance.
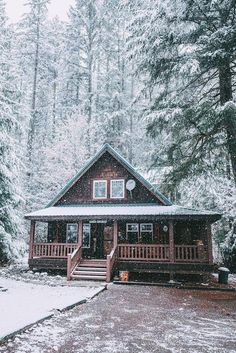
[107, 168]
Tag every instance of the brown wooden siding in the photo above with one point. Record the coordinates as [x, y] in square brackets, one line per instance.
[108, 168]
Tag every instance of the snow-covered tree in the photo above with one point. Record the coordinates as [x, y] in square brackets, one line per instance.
[10, 165]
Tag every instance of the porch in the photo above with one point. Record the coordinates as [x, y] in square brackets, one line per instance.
[98, 248]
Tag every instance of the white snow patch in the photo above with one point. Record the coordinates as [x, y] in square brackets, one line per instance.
[25, 303]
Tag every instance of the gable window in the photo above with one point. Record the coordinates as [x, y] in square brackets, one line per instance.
[99, 189]
[71, 232]
[132, 232]
[146, 233]
[117, 189]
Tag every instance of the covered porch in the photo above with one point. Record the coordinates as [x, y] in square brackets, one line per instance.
[122, 237]
[172, 247]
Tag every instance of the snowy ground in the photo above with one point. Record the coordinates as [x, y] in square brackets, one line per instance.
[23, 302]
[131, 319]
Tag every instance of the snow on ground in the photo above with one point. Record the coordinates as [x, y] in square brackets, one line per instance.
[23, 303]
[142, 319]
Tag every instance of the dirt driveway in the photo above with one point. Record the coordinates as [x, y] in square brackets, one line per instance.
[140, 319]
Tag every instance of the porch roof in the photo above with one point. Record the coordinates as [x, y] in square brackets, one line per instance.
[144, 211]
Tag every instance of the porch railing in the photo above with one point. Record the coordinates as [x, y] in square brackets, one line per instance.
[60, 250]
[111, 260]
[156, 252]
[143, 252]
[190, 253]
[73, 260]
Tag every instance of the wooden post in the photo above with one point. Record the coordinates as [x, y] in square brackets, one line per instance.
[209, 243]
[31, 240]
[80, 233]
[171, 241]
[115, 234]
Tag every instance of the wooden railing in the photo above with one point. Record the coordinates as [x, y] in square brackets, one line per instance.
[73, 260]
[190, 253]
[143, 252]
[111, 260]
[157, 252]
[60, 250]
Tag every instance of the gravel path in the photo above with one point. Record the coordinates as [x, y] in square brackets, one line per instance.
[138, 319]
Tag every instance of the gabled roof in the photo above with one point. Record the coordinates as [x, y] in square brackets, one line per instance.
[122, 161]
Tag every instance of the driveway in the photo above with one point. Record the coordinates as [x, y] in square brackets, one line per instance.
[141, 319]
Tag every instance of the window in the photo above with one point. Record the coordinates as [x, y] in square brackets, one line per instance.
[86, 235]
[117, 189]
[132, 232]
[99, 189]
[71, 232]
[146, 233]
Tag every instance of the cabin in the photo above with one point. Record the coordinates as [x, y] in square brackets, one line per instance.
[108, 218]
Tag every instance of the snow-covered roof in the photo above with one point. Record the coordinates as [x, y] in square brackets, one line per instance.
[115, 211]
[123, 161]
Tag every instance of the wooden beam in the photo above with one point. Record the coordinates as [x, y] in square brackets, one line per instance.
[209, 242]
[115, 234]
[31, 240]
[171, 241]
[80, 233]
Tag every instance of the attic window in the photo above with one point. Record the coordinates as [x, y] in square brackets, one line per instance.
[117, 189]
[99, 189]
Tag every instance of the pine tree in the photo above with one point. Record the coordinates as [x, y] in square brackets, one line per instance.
[186, 50]
[9, 159]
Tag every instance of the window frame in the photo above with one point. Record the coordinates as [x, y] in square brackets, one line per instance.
[132, 231]
[99, 197]
[111, 188]
[146, 231]
[71, 224]
[86, 247]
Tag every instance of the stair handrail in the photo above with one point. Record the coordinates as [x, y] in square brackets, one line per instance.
[72, 261]
[111, 260]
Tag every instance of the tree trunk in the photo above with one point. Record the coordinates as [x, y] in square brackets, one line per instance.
[225, 77]
[34, 94]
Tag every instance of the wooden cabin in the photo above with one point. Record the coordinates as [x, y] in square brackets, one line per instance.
[109, 218]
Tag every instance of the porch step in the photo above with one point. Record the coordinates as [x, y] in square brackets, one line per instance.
[90, 270]
[89, 273]
[92, 265]
[89, 277]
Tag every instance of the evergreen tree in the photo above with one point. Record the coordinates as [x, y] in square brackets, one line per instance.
[9, 159]
[186, 50]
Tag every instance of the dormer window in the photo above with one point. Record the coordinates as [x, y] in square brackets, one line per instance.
[99, 189]
[117, 189]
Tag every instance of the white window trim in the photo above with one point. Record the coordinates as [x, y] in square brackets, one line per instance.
[99, 181]
[131, 231]
[115, 197]
[67, 226]
[86, 247]
[146, 231]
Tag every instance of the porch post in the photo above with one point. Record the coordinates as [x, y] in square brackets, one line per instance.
[115, 234]
[31, 240]
[171, 241]
[209, 242]
[80, 233]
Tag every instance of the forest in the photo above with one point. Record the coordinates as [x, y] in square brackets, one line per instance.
[155, 79]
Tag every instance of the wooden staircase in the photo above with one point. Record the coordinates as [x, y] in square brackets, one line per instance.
[88, 269]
